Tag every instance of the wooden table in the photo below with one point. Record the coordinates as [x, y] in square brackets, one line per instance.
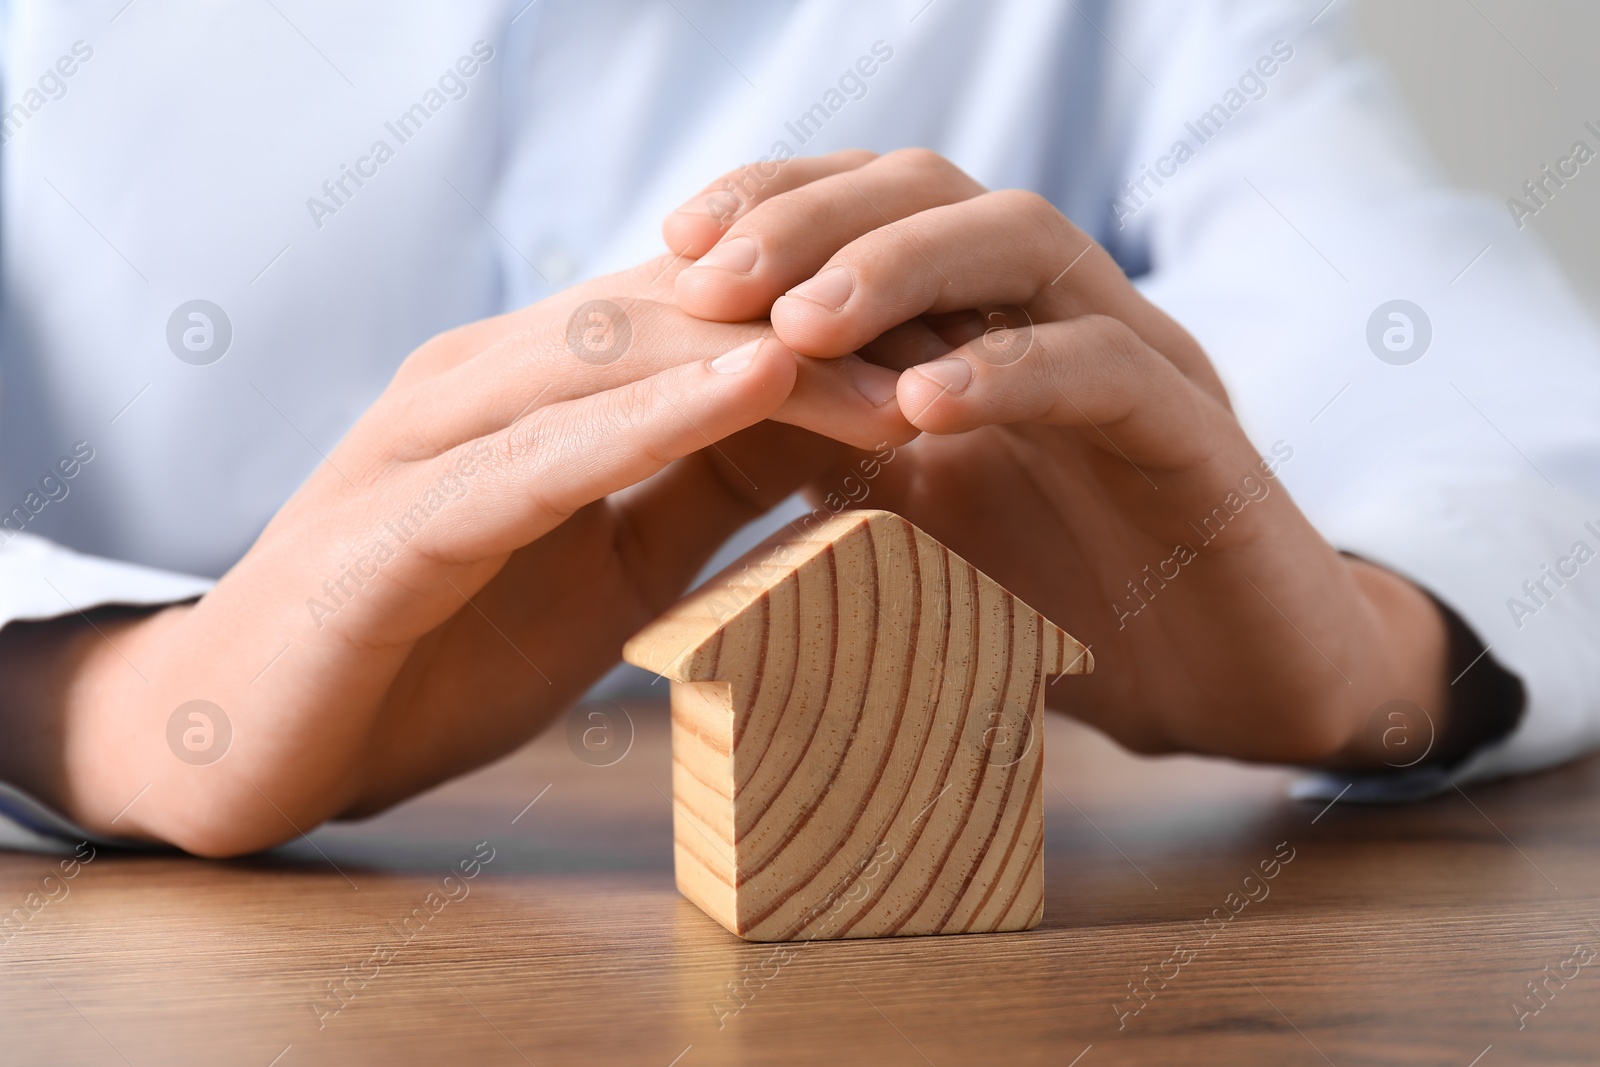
[1393, 935]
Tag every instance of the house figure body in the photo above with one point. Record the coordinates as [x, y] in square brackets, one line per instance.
[857, 728]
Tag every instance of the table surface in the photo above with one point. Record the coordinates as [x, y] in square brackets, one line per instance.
[1397, 935]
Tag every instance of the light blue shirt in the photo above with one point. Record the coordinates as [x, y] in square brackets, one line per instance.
[338, 182]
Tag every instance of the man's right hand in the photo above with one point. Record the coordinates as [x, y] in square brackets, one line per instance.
[453, 577]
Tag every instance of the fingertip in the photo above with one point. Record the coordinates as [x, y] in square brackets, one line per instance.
[873, 427]
[895, 429]
[736, 360]
[716, 295]
[930, 394]
[771, 376]
[765, 362]
[690, 233]
[879, 388]
[878, 385]
[809, 328]
[785, 362]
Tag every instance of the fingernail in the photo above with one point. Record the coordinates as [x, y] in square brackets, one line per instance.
[952, 374]
[736, 360]
[737, 254]
[831, 288]
[875, 383]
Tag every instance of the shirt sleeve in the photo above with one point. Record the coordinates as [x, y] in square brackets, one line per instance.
[1286, 213]
[42, 580]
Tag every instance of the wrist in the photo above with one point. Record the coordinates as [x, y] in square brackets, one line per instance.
[103, 684]
[62, 675]
[1401, 705]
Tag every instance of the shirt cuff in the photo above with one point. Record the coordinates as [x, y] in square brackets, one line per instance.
[42, 580]
[28, 826]
[1377, 787]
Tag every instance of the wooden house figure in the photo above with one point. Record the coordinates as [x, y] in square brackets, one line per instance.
[857, 737]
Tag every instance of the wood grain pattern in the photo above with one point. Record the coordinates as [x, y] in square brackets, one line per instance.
[1397, 936]
[857, 716]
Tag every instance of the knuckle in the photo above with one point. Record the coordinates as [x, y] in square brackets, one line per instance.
[926, 165]
[438, 353]
[1107, 366]
[633, 414]
[622, 409]
[573, 433]
[924, 160]
[522, 442]
[527, 342]
[898, 270]
[901, 254]
[523, 352]
[856, 157]
[1026, 204]
[1115, 342]
[440, 343]
[799, 211]
[741, 188]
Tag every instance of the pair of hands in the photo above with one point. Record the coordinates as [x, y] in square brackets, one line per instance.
[508, 512]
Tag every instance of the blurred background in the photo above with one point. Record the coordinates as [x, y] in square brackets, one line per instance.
[1502, 87]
